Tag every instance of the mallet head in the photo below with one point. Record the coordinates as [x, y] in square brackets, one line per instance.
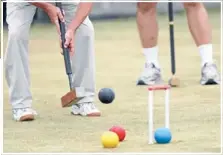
[174, 81]
[69, 99]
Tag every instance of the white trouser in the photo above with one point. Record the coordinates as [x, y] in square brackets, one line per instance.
[19, 19]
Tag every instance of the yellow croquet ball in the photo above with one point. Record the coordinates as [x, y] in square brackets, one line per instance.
[109, 139]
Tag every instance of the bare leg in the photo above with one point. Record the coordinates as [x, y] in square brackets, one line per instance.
[148, 32]
[147, 24]
[200, 29]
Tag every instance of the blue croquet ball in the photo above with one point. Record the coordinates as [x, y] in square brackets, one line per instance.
[162, 136]
[106, 95]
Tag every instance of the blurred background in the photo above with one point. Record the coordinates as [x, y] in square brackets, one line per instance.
[108, 10]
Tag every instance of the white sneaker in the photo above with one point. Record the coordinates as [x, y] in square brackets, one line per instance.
[210, 75]
[24, 114]
[85, 109]
[151, 75]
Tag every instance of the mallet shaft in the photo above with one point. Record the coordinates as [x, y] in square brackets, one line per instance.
[171, 30]
[66, 51]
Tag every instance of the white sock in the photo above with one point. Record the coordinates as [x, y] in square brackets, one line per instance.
[206, 54]
[151, 55]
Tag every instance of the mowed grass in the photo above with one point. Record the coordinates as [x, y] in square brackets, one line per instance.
[194, 109]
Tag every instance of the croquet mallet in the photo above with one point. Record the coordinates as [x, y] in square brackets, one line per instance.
[71, 97]
[174, 81]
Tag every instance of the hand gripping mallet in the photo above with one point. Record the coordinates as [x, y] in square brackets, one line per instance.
[68, 99]
[174, 81]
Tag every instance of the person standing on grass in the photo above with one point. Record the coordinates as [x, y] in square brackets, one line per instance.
[199, 26]
[79, 39]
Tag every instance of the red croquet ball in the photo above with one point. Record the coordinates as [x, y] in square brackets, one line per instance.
[119, 131]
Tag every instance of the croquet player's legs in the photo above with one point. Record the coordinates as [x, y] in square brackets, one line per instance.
[19, 18]
[200, 29]
[83, 60]
[148, 32]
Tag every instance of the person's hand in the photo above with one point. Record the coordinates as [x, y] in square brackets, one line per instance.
[54, 14]
[69, 41]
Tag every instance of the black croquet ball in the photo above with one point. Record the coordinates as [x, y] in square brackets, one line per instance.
[106, 95]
